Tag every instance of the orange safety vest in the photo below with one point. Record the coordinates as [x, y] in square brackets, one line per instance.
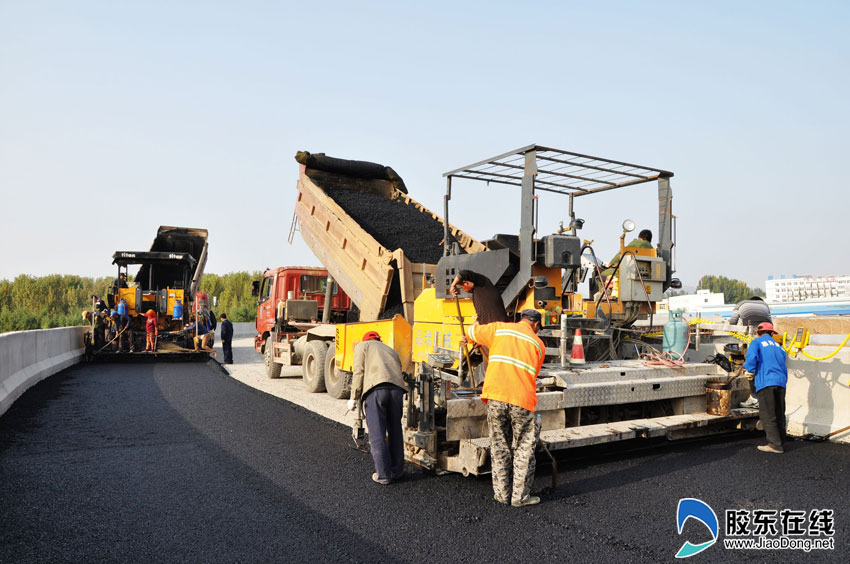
[516, 355]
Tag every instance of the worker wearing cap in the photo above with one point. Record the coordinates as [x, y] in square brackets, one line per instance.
[766, 359]
[99, 304]
[486, 298]
[510, 392]
[118, 283]
[378, 380]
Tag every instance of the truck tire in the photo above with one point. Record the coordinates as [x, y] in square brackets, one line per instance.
[337, 382]
[313, 366]
[272, 367]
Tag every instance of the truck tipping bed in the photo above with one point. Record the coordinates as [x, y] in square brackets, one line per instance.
[175, 240]
[375, 240]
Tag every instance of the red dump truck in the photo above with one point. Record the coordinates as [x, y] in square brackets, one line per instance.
[291, 311]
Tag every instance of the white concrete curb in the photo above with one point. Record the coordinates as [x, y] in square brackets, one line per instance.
[28, 357]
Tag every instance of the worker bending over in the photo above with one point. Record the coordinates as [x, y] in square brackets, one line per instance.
[201, 335]
[510, 392]
[485, 296]
[751, 312]
[378, 380]
[122, 332]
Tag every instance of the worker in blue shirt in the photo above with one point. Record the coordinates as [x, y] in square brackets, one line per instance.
[766, 359]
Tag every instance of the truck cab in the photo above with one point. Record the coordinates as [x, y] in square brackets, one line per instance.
[297, 287]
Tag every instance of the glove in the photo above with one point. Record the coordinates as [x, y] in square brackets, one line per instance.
[351, 404]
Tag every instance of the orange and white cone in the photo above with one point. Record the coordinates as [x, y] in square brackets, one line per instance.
[577, 355]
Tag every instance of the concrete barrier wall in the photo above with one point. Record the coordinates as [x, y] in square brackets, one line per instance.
[817, 398]
[28, 357]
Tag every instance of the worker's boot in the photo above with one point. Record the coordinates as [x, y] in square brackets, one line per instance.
[530, 500]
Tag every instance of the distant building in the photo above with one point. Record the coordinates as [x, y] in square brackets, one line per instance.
[800, 288]
[694, 303]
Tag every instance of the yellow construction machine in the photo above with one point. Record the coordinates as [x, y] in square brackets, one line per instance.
[397, 259]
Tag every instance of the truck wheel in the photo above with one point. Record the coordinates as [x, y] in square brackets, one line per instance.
[338, 382]
[313, 366]
[272, 367]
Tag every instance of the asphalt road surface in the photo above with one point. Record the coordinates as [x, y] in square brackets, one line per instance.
[181, 463]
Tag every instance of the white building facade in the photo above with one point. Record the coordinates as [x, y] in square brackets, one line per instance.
[800, 288]
[693, 304]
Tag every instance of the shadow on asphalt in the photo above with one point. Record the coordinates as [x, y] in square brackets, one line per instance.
[152, 455]
[645, 460]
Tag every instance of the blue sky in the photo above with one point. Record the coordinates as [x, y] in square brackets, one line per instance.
[116, 118]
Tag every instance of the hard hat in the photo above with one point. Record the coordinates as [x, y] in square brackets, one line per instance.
[765, 326]
[150, 313]
[371, 335]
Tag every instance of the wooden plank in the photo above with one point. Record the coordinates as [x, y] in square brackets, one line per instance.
[371, 248]
[350, 254]
[572, 437]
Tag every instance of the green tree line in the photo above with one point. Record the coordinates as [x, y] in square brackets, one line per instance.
[58, 300]
[233, 291]
[733, 290]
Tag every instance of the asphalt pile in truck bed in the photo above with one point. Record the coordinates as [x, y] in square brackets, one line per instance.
[393, 224]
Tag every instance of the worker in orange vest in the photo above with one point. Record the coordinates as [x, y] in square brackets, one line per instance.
[510, 392]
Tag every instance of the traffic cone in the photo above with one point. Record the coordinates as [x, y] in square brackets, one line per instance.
[577, 355]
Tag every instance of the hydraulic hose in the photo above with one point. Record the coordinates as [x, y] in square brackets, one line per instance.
[804, 343]
[830, 355]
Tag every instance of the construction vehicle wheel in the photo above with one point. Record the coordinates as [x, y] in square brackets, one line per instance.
[337, 382]
[313, 366]
[272, 367]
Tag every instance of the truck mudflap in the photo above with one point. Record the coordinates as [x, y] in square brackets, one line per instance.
[473, 454]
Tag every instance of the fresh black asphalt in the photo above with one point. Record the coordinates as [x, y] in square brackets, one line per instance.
[180, 463]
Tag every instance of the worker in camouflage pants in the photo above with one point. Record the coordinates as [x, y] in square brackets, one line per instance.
[510, 392]
[513, 437]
